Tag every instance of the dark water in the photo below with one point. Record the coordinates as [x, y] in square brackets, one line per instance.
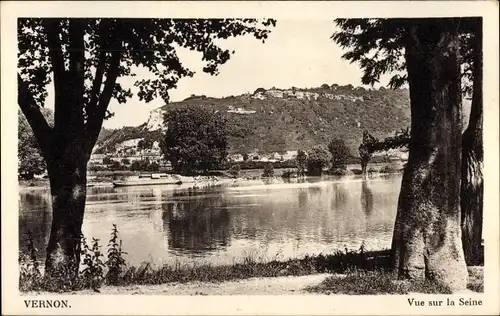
[224, 224]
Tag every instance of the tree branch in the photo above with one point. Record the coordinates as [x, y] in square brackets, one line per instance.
[95, 121]
[104, 28]
[96, 86]
[74, 110]
[53, 30]
[40, 127]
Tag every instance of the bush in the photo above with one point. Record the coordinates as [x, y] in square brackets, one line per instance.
[268, 170]
[301, 162]
[115, 262]
[90, 274]
[287, 174]
[125, 161]
[319, 157]
[93, 272]
[235, 170]
[340, 153]
[107, 161]
[197, 139]
[252, 164]
[95, 167]
[388, 169]
[357, 171]
[144, 165]
[339, 172]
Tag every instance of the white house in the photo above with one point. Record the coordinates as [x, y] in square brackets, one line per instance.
[236, 157]
[289, 155]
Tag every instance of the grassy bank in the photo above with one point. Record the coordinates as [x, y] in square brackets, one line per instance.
[362, 282]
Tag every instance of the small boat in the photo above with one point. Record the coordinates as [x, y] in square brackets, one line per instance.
[153, 179]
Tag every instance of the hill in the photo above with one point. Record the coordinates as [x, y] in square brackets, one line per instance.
[279, 120]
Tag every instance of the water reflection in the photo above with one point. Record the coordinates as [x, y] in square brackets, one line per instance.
[366, 198]
[196, 223]
[35, 219]
[225, 223]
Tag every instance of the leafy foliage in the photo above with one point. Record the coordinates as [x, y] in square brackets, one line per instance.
[377, 45]
[319, 157]
[116, 262]
[150, 43]
[31, 161]
[268, 170]
[234, 170]
[301, 160]
[93, 272]
[340, 153]
[146, 143]
[144, 165]
[196, 139]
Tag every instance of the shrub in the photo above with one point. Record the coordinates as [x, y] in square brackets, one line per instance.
[95, 167]
[197, 139]
[339, 172]
[319, 157]
[125, 161]
[235, 170]
[107, 161]
[287, 174]
[268, 170]
[388, 169]
[153, 167]
[340, 153]
[301, 161]
[115, 262]
[93, 271]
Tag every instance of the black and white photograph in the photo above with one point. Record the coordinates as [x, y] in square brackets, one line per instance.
[249, 156]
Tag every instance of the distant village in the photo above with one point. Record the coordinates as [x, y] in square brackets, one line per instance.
[131, 150]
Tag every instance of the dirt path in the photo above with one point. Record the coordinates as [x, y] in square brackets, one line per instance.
[255, 286]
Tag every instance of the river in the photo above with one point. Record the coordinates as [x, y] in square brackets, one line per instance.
[224, 224]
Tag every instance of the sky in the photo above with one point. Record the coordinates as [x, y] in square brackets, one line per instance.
[297, 53]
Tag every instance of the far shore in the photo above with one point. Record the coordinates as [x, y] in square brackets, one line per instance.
[247, 176]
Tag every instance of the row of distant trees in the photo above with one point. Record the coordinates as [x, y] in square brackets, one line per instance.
[335, 156]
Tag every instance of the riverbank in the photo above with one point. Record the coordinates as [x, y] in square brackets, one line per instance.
[357, 283]
[349, 272]
[221, 177]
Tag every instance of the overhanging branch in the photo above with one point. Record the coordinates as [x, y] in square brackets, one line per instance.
[95, 121]
[40, 127]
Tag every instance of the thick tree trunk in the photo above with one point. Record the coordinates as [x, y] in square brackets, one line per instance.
[472, 167]
[68, 185]
[427, 235]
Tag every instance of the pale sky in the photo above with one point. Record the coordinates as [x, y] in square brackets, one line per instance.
[297, 53]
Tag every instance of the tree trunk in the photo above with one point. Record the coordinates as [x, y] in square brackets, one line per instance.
[68, 185]
[472, 167]
[365, 157]
[427, 235]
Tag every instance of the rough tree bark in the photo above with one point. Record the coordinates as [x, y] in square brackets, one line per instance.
[471, 201]
[427, 235]
[68, 180]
